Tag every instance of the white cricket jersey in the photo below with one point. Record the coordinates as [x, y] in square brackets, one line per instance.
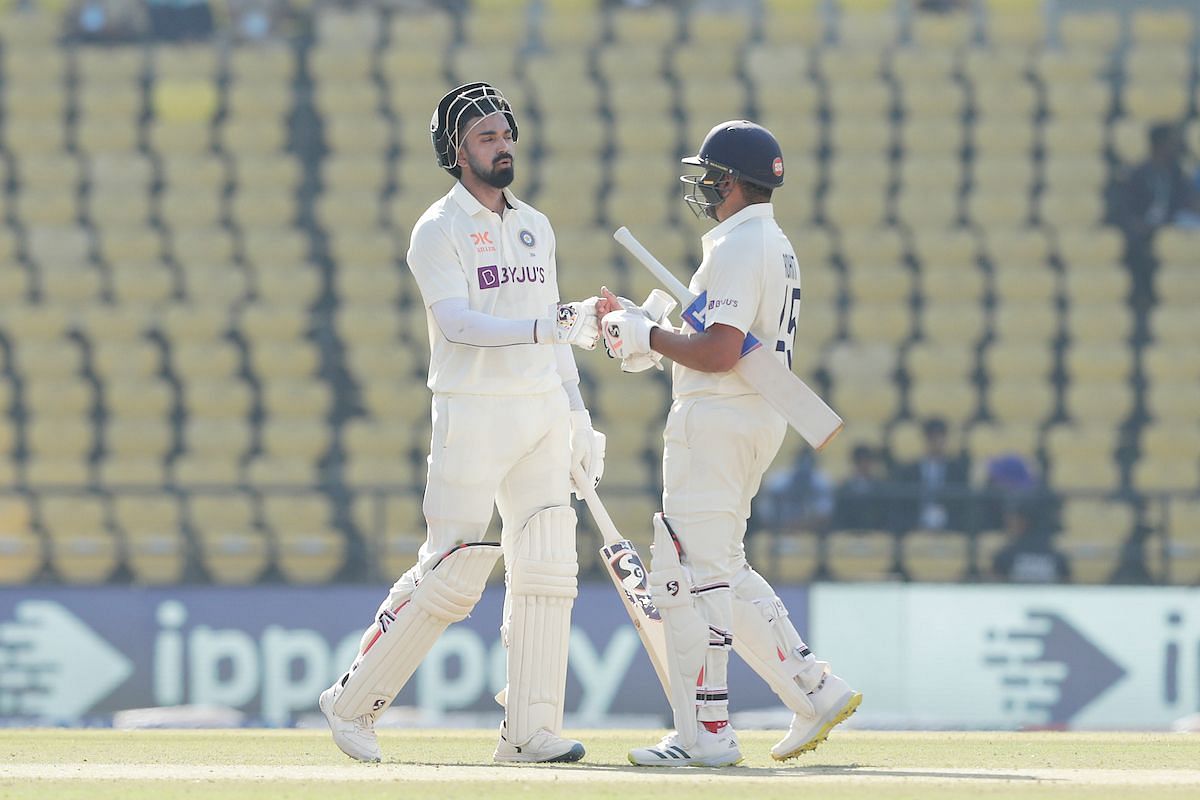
[751, 280]
[503, 266]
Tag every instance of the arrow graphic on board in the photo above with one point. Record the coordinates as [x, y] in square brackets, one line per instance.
[53, 665]
[1070, 666]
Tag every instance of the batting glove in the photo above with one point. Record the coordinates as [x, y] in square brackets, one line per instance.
[573, 323]
[587, 449]
[626, 334]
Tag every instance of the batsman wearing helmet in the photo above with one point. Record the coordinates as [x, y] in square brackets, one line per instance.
[720, 438]
[509, 428]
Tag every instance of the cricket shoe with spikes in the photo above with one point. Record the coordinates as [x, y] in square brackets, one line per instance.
[354, 737]
[711, 750]
[542, 748]
[834, 701]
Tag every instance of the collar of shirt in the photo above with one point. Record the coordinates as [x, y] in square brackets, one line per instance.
[749, 212]
[472, 206]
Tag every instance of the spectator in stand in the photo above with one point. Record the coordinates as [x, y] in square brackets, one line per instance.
[798, 498]
[1155, 193]
[106, 21]
[933, 489]
[861, 501]
[1029, 555]
[1008, 477]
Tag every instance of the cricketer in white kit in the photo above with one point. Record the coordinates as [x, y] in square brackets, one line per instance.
[720, 438]
[509, 425]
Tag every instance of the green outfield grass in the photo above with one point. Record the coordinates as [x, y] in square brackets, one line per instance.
[134, 765]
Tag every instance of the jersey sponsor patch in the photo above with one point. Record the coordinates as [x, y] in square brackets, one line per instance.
[695, 314]
[489, 277]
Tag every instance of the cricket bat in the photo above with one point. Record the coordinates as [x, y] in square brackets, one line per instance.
[793, 398]
[628, 574]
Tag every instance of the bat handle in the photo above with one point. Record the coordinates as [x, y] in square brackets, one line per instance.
[608, 529]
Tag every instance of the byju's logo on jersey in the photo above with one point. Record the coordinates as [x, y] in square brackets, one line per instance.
[489, 277]
[492, 276]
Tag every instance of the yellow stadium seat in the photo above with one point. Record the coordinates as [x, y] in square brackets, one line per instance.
[1004, 94]
[935, 556]
[1169, 323]
[955, 401]
[958, 283]
[953, 321]
[308, 548]
[1170, 362]
[1081, 455]
[1021, 401]
[1026, 321]
[1155, 99]
[1099, 401]
[1174, 399]
[140, 395]
[22, 554]
[1082, 138]
[1005, 359]
[861, 555]
[233, 549]
[986, 441]
[58, 397]
[1092, 361]
[284, 359]
[1093, 537]
[784, 556]
[1183, 541]
[940, 361]
[82, 548]
[156, 550]
[1003, 138]
[1108, 322]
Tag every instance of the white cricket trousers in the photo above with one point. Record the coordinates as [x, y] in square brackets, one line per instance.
[716, 451]
[507, 453]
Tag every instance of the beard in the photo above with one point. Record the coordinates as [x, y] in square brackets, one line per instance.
[493, 176]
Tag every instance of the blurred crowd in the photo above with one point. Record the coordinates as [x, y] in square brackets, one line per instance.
[934, 492]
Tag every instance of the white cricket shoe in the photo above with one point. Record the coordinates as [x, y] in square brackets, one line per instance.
[711, 750]
[834, 702]
[355, 737]
[542, 748]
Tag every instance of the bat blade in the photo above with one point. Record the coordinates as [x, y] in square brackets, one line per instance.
[628, 573]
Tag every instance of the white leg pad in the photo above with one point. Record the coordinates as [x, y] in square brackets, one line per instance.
[768, 642]
[542, 567]
[686, 631]
[409, 623]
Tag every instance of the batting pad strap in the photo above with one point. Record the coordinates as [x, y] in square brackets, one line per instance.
[404, 634]
[542, 564]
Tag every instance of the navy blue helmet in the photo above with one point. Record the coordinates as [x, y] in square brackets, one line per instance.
[458, 105]
[743, 149]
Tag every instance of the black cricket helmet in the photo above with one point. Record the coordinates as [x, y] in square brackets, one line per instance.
[740, 148]
[468, 101]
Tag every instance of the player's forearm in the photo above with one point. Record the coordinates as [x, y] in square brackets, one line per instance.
[704, 352]
[461, 325]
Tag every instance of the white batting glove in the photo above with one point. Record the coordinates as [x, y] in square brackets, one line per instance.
[642, 363]
[587, 449]
[573, 323]
[626, 334]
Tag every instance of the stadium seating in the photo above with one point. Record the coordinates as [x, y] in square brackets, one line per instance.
[205, 292]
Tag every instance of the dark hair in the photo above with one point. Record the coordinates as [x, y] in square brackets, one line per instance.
[1162, 134]
[862, 451]
[754, 193]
